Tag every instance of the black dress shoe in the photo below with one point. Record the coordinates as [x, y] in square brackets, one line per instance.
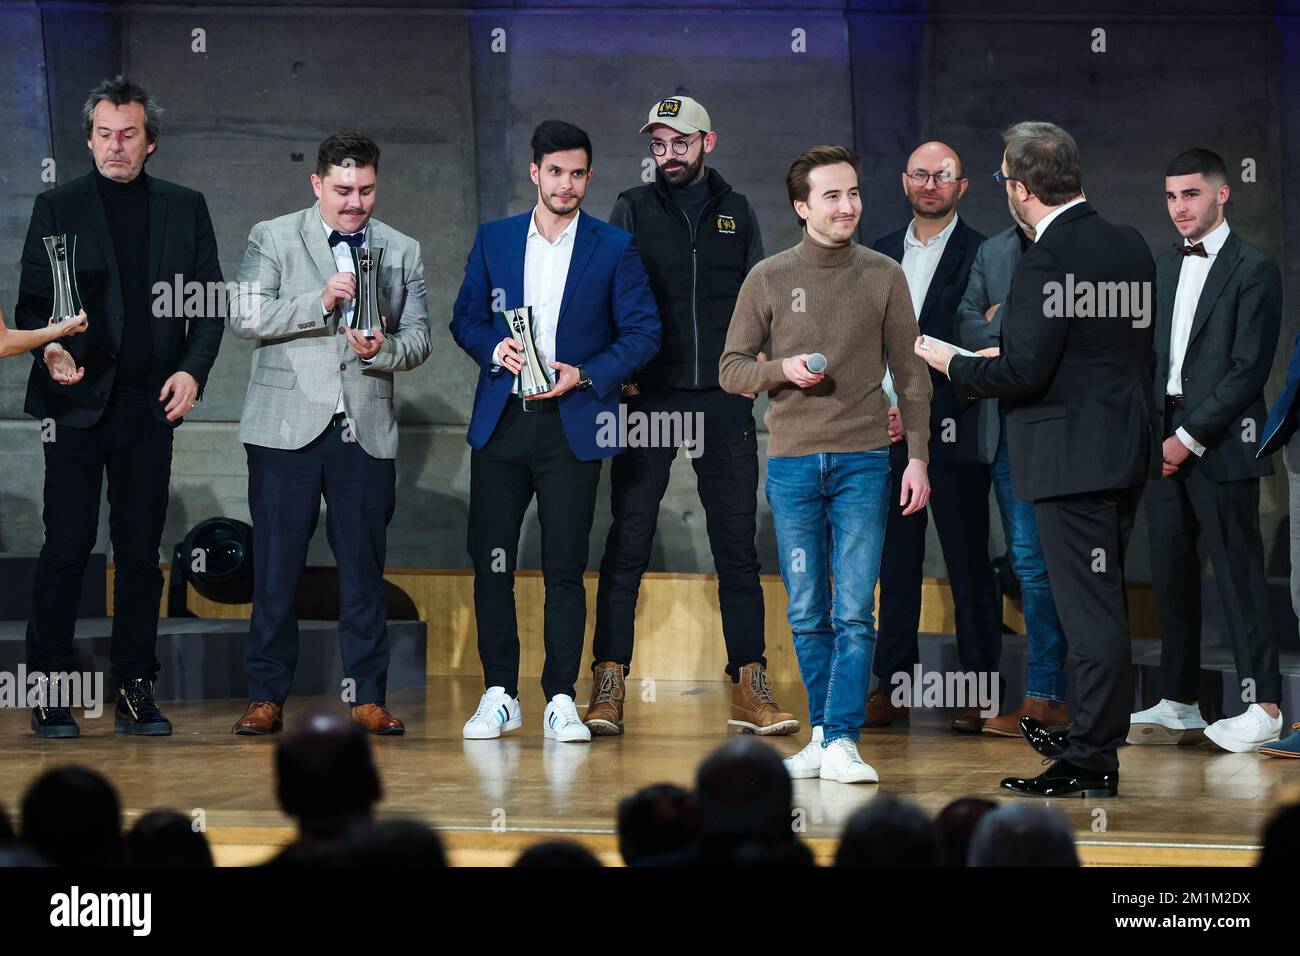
[54, 722]
[136, 711]
[1064, 779]
[1049, 743]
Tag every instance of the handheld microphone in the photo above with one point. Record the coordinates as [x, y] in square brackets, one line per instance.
[817, 362]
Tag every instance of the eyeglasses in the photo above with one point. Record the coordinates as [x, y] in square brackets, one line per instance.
[1002, 178]
[944, 177]
[680, 146]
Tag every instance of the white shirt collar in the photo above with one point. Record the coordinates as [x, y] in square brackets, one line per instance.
[910, 239]
[1047, 220]
[1213, 240]
[569, 230]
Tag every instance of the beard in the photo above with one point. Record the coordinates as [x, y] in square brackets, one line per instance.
[557, 210]
[683, 174]
[933, 212]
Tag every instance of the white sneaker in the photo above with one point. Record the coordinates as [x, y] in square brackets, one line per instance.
[807, 763]
[842, 763]
[1245, 732]
[1168, 722]
[497, 711]
[561, 721]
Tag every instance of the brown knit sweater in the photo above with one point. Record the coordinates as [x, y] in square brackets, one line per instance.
[852, 305]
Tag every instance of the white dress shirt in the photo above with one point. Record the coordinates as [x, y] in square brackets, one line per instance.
[1047, 220]
[920, 260]
[343, 260]
[1192, 273]
[546, 270]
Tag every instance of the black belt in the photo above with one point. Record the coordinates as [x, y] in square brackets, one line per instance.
[540, 405]
[1174, 402]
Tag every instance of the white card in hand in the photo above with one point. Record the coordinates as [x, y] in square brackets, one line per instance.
[928, 339]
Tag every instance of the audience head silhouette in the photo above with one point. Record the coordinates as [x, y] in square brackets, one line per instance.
[1019, 835]
[71, 817]
[887, 831]
[325, 776]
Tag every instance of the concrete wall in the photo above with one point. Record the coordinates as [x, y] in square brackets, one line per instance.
[453, 117]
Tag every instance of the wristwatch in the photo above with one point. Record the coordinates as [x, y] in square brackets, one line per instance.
[584, 380]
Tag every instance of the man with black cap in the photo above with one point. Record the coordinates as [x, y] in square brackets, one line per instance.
[699, 238]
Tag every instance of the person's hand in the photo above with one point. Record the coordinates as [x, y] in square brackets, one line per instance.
[364, 347]
[895, 425]
[991, 311]
[630, 391]
[935, 353]
[512, 355]
[566, 380]
[341, 287]
[796, 370]
[184, 392]
[991, 352]
[915, 487]
[1173, 453]
[760, 357]
[70, 326]
[63, 367]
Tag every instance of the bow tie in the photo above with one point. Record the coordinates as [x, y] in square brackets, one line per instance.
[356, 240]
[1198, 249]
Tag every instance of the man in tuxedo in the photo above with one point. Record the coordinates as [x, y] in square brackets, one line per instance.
[936, 250]
[109, 399]
[979, 327]
[1074, 375]
[319, 420]
[594, 323]
[1219, 311]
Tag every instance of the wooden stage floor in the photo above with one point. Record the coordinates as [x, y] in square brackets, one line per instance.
[1177, 806]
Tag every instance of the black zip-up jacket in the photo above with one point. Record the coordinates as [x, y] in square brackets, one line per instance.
[695, 269]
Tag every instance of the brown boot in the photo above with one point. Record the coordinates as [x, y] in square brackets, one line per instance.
[969, 721]
[261, 717]
[881, 711]
[1051, 715]
[752, 708]
[605, 712]
[377, 719]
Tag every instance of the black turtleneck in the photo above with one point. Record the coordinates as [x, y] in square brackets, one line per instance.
[127, 207]
[691, 198]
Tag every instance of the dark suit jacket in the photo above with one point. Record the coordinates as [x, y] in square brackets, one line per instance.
[181, 242]
[1077, 391]
[1282, 419]
[939, 318]
[608, 324]
[1229, 355]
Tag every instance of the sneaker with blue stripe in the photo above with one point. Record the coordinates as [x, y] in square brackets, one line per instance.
[561, 721]
[497, 712]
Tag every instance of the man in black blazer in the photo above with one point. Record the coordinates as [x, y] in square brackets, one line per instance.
[936, 250]
[1219, 311]
[1074, 375]
[109, 399]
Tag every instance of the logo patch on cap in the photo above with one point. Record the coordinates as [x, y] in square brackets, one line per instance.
[669, 107]
[727, 224]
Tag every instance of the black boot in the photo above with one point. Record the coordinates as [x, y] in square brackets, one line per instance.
[136, 711]
[54, 722]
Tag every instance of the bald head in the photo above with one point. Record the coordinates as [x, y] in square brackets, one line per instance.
[933, 181]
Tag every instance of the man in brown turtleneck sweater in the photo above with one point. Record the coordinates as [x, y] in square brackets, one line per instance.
[828, 440]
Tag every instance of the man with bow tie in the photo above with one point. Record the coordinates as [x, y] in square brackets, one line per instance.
[1219, 311]
[318, 420]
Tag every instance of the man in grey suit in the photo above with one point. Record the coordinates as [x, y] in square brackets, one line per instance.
[318, 419]
[979, 325]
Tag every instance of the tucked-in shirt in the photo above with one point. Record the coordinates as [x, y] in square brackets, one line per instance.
[1191, 281]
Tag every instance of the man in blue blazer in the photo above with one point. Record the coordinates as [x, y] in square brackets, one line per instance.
[594, 323]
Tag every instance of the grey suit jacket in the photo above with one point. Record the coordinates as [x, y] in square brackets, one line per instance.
[302, 358]
[989, 283]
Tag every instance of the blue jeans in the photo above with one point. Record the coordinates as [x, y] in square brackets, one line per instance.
[1047, 648]
[829, 512]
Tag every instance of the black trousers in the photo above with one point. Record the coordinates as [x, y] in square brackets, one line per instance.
[959, 498]
[726, 473]
[284, 494]
[528, 454]
[134, 449]
[1085, 538]
[1182, 510]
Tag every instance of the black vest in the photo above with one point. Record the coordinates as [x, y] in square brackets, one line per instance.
[695, 272]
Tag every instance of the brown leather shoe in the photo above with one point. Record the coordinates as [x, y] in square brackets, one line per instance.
[261, 717]
[752, 708]
[377, 719]
[968, 721]
[1051, 715]
[605, 712]
[881, 711]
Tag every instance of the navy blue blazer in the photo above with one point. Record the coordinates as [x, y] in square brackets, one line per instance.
[608, 323]
[939, 318]
[1282, 416]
